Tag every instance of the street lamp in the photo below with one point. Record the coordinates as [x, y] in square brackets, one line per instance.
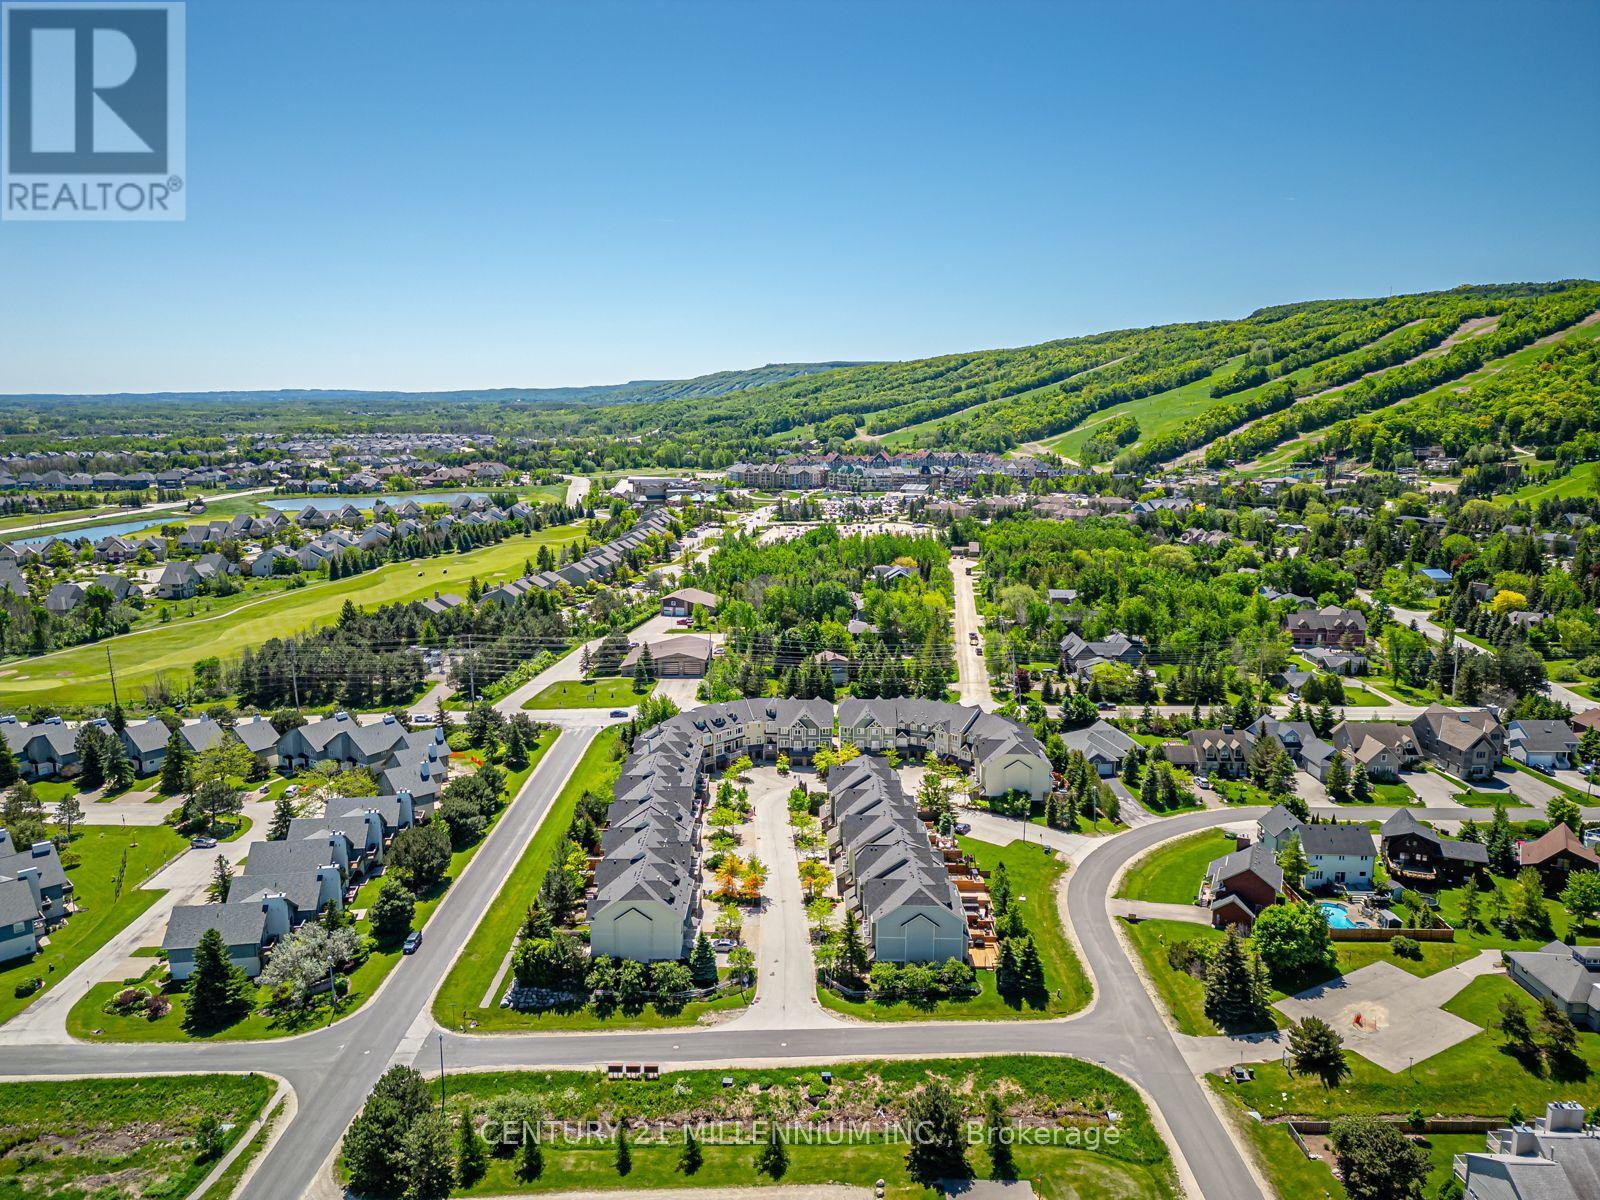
[441, 1074]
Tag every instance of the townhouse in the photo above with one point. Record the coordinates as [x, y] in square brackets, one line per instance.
[1004, 756]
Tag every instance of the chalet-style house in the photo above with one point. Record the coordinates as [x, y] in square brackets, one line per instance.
[1414, 854]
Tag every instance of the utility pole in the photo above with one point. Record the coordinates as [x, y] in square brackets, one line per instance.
[472, 684]
[115, 702]
[441, 1074]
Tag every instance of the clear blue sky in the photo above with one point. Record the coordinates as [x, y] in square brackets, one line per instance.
[439, 195]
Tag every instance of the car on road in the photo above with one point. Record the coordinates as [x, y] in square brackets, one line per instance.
[203, 842]
[413, 940]
[424, 719]
[1104, 705]
[963, 827]
[619, 712]
[978, 650]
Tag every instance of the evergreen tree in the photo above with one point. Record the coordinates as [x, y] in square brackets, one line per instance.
[1293, 862]
[9, 772]
[690, 1157]
[373, 1148]
[1232, 998]
[703, 963]
[516, 748]
[175, 766]
[118, 770]
[1501, 843]
[69, 811]
[472, 1159]
[1338, 781]
[773, 1160]
[852, 950]
[1030, 969]
[1316, 1049]
[530, 1163]
[282, 814]
[938, 1149]
[426, 1153]
[218, 990]
[90, 745]
[221, 879]
[1005, 971]
[997, 1134]
[1360, 784]
[624, 1156]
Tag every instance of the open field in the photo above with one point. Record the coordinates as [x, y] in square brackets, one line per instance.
[1046, 1094]
[608, 692]
[103, 910]
[1582, 480]
[1035, 878]
[1155, 414]
[88, 1014]
[117, 1137]
[1171, 874]
[79, 675]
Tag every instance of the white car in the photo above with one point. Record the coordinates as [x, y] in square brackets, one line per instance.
[424, 719]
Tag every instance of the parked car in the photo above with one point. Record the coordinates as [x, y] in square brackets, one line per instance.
[292, 790]
[424, 719]
[619, 712]
[963, 827]
[1203, 783]
[723, 945]
[203, 842]
[685, 622]
[413, 940]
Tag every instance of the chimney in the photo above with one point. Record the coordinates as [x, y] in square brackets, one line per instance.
[1524, 1141]
[1563, 1116]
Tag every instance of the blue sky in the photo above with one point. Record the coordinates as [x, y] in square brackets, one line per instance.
[418, 195]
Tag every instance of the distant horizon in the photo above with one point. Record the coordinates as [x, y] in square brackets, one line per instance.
[467, 392]
[541, 194]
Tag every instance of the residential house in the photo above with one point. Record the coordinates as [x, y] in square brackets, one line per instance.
[248, 928]
[1103, 744]
[39, 868]
[685, 601]
[1555, 855]
[1542, 745]
[1468, 743]
[686, 656]
[1238, 886]
[1555, 1158]
[1415, 854]
[1327, 626]
[1569, 976]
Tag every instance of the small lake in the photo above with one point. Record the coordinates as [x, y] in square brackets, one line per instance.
[294, 504]
[288, 504]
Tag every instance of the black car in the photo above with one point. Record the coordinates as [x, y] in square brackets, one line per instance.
[413, 940]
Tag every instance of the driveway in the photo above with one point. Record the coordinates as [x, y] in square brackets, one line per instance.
[1434, 791]
[786, 972]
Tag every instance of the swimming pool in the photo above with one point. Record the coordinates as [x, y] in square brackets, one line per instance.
[1338, 918]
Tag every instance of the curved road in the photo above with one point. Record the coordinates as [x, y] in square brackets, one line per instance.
[332, 1070]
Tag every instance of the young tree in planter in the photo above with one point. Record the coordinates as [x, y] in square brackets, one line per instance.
[1316, 1049]
[374, 1145]
[218, 990]
[938, 1150]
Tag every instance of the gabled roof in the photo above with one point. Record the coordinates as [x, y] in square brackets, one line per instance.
[240, 924]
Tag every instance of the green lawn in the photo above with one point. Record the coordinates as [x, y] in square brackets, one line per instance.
[88, 1014]
[1396, 793]
[113, 1137]
[1476, 799]
[1477, 1077]
[1293, 1176]
[1582, 480]
[607, 692]
[228, 1182]
[1184, 994]
[1035, 878]
[1064, 1099]
[1172, 873]
[460, 997]
[102, 910]
[79, 675]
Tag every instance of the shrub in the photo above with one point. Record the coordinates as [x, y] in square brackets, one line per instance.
[28, 986]
[1404, 947]
[157, 1007]
[1189, 957]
